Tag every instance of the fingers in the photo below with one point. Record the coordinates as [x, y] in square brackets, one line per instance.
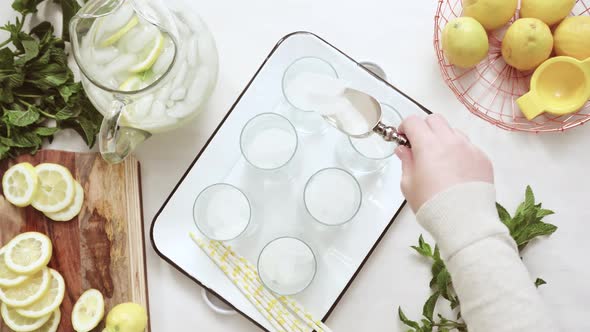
[462, 135]
[417, 131]
[439, 125]
[405, 155]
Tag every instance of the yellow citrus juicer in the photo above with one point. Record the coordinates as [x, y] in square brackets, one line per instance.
[560, 86]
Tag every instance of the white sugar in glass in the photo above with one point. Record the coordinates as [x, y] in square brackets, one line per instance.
[268, 141]
[222, 212]
[332, 196]
[287, 266]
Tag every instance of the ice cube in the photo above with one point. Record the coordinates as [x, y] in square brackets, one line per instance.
[118, 19]
[170, 104]
[120, 64]
[105, 55]
[164, 92]
[165, 59]
[142, 109]
[181, 110]
[158, 109]
[178, 94]
[198, 89]
[141, 39]
[192, 53]
[180, 76]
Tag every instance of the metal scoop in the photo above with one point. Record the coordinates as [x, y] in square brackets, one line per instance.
[370, 109]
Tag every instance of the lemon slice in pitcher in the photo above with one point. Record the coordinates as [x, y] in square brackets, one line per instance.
[48, 302]
[56, 188]
[28, 292]
[120, 33]
[28, 252]
[150, 56]
[19, 184]
[9, 278]
[72, 210]
[19, 323]
[88, 311]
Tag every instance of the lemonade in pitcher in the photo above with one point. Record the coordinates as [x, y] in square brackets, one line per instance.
[148, 67]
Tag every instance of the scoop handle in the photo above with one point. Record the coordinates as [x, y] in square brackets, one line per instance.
[391, 134]
[530, 105]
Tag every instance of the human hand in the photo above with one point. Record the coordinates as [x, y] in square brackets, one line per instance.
[440, 158]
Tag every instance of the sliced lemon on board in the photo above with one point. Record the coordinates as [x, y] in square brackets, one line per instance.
[88, 311]
[19, 323]
[52, 324]
[73, 209]
[120, 33]
[9, 278]
[56, 188]
[19, 184]
[48, 302]
[28, 252]
[151, 56]
[28, 292]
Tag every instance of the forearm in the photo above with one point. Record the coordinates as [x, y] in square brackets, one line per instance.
[493, 285]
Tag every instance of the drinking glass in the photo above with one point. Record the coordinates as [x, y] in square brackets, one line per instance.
[369, 154]
[332, 196]
[287, 266]
[222, 212]
[306, 121]
[268, 141]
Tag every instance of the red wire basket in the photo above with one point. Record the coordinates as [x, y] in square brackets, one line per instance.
[491, 88]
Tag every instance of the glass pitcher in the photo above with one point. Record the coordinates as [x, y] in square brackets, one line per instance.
[146, 66]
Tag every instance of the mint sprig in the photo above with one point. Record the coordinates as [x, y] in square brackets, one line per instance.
[526, 224]
[36, 86]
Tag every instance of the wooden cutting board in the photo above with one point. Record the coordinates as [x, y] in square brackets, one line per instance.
[103, 248]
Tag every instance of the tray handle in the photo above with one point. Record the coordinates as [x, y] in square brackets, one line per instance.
[222, 311]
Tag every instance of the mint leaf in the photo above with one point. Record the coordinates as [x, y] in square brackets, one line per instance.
[26, 6]
[46, 131]
[428, 309]
[504, 215]
[423, 248]
[539, 282]
[407, 321]
[23, 118]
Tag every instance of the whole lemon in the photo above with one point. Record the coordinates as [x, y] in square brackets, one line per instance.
[527, 43]
[572, 37]
[492, 14]
[465, 42]
[548, 11]
[126, 317]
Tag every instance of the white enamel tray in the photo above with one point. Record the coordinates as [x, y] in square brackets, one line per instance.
[277, 203]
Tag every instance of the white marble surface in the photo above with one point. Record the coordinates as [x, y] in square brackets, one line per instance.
[397, 35]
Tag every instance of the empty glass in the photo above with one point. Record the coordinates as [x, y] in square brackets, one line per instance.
[332, 196]
[222, 212]
[370, 154]
[305, 119]
[287, 266]
[268, 141]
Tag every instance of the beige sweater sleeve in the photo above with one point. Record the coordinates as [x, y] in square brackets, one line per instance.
[494, 287]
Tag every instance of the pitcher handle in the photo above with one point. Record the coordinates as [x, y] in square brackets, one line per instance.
[115, 141]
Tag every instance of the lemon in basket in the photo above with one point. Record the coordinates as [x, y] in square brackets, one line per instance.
[572, 37]
[465, 42]
[492, 14]
[527, 43]
[548, 11]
